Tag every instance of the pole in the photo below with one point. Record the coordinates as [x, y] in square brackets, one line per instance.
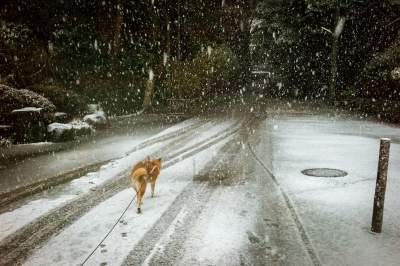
[380, 189]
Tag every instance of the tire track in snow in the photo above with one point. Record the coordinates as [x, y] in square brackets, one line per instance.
[303, 233]
[42, 185]
[31, 209]
[20, 245]
[162, 244]
[156, 245]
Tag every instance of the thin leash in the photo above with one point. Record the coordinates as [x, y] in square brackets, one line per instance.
[109, 232]
[115, 224]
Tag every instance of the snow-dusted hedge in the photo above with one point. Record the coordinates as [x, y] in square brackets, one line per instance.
[12, 99]
[97, 117]
[69, 131]
[66, 100]
[29, 124]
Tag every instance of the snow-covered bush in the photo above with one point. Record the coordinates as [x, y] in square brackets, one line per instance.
[29, 124]
[27, 112]
[96, 116]
[60, 117]
[69, 131]
[64, 99]
[11, 99]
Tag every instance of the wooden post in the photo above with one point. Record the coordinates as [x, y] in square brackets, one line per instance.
[380, 189]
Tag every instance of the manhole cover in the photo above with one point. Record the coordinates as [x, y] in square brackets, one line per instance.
[324, 172]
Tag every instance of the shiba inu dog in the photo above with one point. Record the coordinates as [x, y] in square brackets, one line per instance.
[144, 172]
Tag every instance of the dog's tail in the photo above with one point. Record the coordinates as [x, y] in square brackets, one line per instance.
[140, 175]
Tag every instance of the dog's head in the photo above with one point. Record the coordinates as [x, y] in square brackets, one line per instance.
[157, 162]
[155, 166]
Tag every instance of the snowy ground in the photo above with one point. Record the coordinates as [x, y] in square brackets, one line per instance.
[108, 144]
[218, 204]
[47, 165]
[81, 237]
[337, 212]
[36, 208]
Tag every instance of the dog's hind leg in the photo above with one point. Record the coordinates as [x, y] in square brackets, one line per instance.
[138, 202]
[153, 186]
[140, 195]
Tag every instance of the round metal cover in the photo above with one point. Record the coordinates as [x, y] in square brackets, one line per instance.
[324, 172]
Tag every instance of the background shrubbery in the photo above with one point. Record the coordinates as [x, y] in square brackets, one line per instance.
[208, 74]
[102, 51]
[65, 100]
[379, 78]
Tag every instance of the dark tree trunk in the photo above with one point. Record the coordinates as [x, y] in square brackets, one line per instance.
[244, 41]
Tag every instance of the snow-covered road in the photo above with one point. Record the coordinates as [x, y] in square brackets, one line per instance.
[181, 142]
[217, 202]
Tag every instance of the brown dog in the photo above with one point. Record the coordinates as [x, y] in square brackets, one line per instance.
[144, 172]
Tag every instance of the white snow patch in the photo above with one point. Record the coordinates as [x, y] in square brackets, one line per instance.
[97, 118]
[27, 109]
[43, 143]
[59, 128]
[339, 27]
[58, 114]
[151, 75]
